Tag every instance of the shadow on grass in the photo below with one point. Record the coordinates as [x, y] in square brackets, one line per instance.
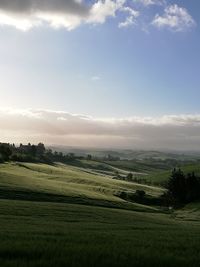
[28, 195]
[143, 199]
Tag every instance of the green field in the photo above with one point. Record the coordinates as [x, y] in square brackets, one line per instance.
[67, 182]
[155, 172]
[63, 215]
[160, 176]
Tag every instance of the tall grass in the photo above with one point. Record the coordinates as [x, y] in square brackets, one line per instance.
[44, 234]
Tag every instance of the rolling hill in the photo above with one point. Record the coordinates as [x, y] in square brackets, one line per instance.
[64, 215]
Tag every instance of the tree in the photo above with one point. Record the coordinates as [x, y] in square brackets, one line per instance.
[140, 194]
[40, 149]
[71, 156]
[33, 150]
[193, 187]
[177, 186]
[89, 157]
[5, 151]
[183, 188]
[129, 176]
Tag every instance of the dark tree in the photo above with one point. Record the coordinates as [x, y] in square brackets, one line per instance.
[129, 176]
[183, 188]
[177, 185]
[89, 157]
[140, 194]
[5, 151]
[193, 187]
[40, 149]
[33, 150]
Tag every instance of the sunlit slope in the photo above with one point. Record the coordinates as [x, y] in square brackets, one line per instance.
[63, 180]
[189, 213]
[42, 232]
[160, 177]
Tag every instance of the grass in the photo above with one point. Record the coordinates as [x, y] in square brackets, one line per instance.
[67, 181]
[189, 213]
[68, 216]
[155, 171]
[51, 234]
[131, 165]
[159, 177]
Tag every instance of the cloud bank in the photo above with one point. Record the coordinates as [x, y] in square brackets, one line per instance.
[26, 14]
[70, 14]
[56, 127]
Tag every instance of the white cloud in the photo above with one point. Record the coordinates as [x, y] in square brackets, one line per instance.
[176, 18]
[103, 9]
[26, 14]
[151, 2]
[130, 19]
[70, 14]
[172, 132]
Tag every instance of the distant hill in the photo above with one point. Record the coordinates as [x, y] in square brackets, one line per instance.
[129, 154]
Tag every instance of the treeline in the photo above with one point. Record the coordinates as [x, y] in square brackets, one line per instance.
[130, 177]
[183, 188]
[32, 153]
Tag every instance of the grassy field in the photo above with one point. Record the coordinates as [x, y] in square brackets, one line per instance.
[158, 176]
[68, 182]
[155, 172]
[68, 216]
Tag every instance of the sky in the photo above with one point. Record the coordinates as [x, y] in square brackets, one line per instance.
[117, 73]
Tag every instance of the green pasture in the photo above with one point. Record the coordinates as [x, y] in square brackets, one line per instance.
[60, 215]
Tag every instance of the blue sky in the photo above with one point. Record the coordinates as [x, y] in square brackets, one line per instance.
[144, 61]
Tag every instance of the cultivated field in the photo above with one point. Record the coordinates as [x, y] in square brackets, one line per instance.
[63, 215]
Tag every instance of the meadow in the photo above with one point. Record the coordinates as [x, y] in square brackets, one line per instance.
[61, 215]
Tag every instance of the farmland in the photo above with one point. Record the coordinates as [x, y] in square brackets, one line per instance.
[59, 215]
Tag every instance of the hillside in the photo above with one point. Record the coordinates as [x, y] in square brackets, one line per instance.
[64, 215]
[73, 183]
[129, 153]
[161, 176]
[37, 234]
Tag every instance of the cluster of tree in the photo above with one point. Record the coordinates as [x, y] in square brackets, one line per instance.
[32, 153]
[60, 156]
[140, 194]
[6, 151]
[139, 180]
[21, 153]
[183, 188]
[131, 178]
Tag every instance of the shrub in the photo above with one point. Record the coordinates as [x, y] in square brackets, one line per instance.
[140, 193]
